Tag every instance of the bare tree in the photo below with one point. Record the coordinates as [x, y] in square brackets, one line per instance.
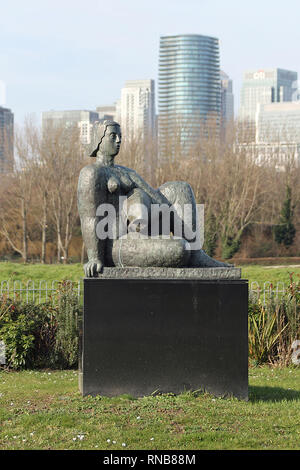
[62, 158]
[16, 199]
[224, 179]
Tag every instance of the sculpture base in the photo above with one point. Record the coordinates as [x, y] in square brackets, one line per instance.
[164, 335]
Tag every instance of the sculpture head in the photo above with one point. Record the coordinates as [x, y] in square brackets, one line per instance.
[108, 135]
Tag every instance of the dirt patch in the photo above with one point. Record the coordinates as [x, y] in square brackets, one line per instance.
[283, 266]
[279, 261]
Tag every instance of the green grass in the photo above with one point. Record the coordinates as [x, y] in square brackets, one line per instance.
[262, 274]
[74, 272]
[36, 272]
[44, 410]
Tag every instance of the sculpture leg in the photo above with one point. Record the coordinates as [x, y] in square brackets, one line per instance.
[137, 248]
[180, 193]
[136, 210]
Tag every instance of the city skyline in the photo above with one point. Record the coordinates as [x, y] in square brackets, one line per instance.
[50, 62]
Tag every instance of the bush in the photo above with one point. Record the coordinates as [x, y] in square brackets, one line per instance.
[44, 335]
[67, 317]
[274, 326]
[25, 330]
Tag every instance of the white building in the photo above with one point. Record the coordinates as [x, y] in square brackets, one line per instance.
[277, 139]
[82, 119]
[277, 154]
[137, 108]
[278, 123]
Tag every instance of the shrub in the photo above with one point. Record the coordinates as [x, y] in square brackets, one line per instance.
[263, 332]
[44, 335]
[274, 326]
[25, 330]
[67, 317]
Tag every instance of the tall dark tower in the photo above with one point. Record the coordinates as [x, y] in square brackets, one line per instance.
[6, 140]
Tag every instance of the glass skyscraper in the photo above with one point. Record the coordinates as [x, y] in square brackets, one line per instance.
[189, 88]
[264, 87]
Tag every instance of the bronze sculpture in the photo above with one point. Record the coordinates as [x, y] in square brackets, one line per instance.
[103, 184]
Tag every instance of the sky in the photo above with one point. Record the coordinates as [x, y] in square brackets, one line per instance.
[71, 54]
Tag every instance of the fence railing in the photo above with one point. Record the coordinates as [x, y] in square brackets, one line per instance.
[42, 290]
[267, 290]
[36, 291]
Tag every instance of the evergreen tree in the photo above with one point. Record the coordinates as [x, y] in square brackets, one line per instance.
[210, 235]
[285, 231]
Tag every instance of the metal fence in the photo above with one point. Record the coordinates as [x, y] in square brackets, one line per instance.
[267, 290]
[42, 291]
[37, 291]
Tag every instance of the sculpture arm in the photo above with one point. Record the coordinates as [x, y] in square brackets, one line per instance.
[156, 196]
[89, 197]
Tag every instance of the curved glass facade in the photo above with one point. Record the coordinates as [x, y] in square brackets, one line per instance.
[189, 86]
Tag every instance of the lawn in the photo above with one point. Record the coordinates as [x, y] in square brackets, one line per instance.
[74, 272]
[271, 274]
[44, 410]
[37, 272]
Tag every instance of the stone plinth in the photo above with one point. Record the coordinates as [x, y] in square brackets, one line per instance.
[170, 273]
[165, 330]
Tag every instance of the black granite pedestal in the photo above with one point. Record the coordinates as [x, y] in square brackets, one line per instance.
[155, 333]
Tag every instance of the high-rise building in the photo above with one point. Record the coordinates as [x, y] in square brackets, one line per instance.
[227, 99]
[6, 140]
[278, 123]
[272, 153]
[137, 108]
[81, 119]
[263, 87]
[189, 87]
[277, 140]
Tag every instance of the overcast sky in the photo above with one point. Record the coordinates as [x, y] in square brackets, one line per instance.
[71, 54]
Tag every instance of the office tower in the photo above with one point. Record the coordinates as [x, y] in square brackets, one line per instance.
[227, 99]
[81, 119]
[272, 153]
[6, 140]
[137, 109]
[278, 122]
[263, 87]
[189, 87]
[277, 139]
